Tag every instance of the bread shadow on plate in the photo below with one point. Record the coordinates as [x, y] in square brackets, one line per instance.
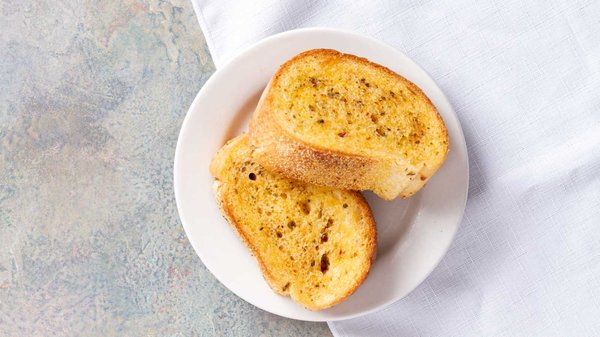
[393, 218]
[239, 123]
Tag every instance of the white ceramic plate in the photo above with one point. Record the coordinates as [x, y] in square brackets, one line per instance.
[413, 234]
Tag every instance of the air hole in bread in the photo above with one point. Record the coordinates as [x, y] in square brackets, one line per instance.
[324, 263]
[324, 237]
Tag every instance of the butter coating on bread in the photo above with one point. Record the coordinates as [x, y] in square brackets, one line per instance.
[313, 243]
[338, 120]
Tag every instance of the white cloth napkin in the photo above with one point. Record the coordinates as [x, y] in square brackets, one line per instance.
[524, 78]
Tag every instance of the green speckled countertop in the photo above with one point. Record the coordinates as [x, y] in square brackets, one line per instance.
[92, 95]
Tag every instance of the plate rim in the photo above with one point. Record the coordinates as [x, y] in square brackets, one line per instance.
[215, 77]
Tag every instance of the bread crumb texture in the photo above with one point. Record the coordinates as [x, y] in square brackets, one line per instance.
[313, 243]
[348, 104]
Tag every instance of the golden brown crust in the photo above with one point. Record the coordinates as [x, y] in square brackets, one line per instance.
[282, 152]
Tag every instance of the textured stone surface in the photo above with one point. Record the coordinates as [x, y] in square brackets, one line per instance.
[92, 95]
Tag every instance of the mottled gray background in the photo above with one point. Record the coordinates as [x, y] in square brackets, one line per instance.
[92, 95]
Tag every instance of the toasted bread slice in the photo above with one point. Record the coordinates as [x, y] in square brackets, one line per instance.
[338, 120]
[313, 243]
